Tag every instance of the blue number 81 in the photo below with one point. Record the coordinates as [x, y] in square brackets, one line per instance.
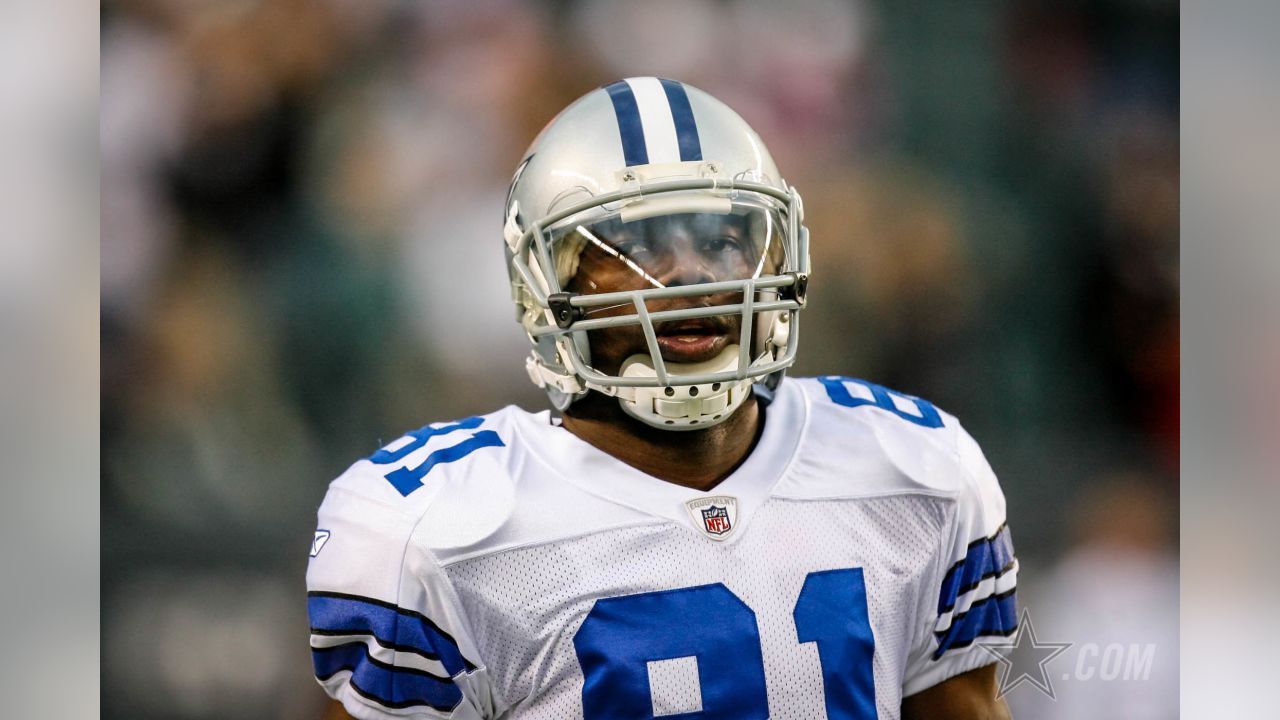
[621, 635]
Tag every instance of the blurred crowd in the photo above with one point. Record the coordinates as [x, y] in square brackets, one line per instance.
[301, 210]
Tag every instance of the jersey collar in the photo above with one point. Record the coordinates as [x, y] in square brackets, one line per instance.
[599, 473]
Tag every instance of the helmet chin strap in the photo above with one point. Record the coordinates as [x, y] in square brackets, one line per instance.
[684, 407]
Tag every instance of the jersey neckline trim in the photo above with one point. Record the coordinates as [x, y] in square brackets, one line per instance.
[597, 472]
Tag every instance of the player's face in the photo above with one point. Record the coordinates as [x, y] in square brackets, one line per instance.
[666, 251]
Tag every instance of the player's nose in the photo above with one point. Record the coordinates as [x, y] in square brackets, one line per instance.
[686, 267]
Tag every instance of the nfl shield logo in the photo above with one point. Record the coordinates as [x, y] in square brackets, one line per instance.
[715, 517]
[716, 520]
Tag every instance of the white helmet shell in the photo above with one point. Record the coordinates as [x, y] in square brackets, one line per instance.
[643, 148]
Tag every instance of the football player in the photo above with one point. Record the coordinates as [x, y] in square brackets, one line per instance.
[688, 534]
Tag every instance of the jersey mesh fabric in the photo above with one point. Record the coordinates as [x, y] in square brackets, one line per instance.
[526, 604]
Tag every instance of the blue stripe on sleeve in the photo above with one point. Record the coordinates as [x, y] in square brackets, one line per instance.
[995, 615]
[988, 557]
[387, 685]
[391, 626]
[682, 114]
[634, 150]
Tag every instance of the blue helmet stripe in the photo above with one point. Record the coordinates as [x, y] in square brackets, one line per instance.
[682, 113]
[634, 150]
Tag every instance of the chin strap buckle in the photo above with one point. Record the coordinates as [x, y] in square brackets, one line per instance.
[543, 376]
[563, 311]
[798, 290]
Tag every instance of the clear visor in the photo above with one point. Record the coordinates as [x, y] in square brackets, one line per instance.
[728, 240]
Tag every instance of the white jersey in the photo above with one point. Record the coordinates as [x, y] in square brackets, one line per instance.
[500, 567]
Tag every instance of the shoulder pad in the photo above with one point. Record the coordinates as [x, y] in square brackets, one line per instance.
[865, 439]
[454, 477]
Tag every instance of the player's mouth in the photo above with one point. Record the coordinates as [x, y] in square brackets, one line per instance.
[691, 341]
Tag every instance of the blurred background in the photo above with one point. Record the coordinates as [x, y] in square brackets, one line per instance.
[301, 206]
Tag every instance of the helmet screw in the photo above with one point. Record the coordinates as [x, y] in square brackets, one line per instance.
[670, 391]
[693, 391]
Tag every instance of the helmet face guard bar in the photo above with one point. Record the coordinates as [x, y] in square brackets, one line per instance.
[569, 310]
[647, 319]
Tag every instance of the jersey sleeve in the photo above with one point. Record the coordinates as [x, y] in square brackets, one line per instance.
[970, 598]
[388, 635]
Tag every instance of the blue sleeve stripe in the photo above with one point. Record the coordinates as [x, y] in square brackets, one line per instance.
[995, 615]
[391, 626]
[387, 685]
[986, 558]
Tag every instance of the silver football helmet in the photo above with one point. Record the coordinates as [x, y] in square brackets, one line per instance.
[650, 203]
